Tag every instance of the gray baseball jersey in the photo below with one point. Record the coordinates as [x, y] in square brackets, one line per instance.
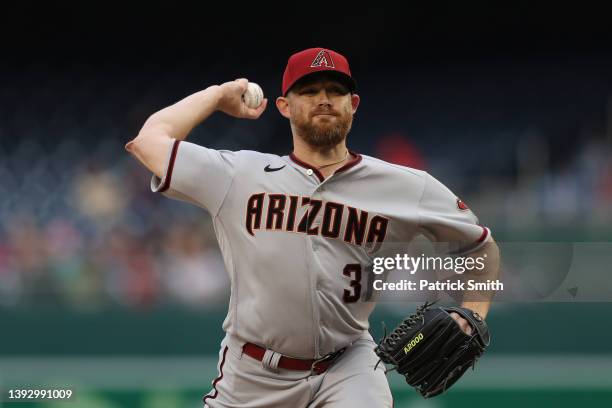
[296, 245]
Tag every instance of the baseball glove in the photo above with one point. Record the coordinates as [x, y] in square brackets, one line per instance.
[430, 349]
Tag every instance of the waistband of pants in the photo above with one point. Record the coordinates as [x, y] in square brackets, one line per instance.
[273, 361]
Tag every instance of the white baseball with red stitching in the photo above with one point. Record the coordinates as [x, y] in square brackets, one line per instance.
[253, 95]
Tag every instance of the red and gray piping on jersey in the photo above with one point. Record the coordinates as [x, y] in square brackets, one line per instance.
[351, 163]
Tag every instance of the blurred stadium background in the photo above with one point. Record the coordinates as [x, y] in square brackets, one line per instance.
[120, 293]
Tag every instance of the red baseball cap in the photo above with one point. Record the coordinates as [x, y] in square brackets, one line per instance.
[312, 61]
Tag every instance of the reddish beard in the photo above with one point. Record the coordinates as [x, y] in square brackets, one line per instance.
[324, 134]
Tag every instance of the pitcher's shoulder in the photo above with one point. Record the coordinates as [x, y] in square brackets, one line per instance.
[381, 166]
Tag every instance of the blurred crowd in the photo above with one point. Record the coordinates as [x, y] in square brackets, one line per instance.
[94, 234]
[79, 225]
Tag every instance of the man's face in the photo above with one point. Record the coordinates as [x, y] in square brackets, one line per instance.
[321, 111]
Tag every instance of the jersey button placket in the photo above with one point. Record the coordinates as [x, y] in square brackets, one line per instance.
[317, 193]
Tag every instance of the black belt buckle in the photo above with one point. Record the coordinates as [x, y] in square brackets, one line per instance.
[328, 358]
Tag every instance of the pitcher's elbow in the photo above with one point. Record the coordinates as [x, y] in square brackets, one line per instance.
[129, 146]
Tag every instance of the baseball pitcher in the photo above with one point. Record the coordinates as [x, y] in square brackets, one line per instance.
[298, 233]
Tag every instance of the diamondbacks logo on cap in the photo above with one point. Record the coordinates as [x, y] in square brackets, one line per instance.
[323, 59]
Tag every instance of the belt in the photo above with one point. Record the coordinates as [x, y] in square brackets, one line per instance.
[318, 366]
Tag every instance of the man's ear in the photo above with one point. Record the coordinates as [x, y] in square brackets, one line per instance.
[282, 104]
[355, 99]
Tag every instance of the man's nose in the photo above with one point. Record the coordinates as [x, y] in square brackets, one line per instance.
[323, 98]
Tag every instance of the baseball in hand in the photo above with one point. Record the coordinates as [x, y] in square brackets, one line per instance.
[253, 95]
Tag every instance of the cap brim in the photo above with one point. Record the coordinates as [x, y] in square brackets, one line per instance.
[340, 76]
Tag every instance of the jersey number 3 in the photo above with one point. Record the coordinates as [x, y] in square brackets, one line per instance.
[353, 271]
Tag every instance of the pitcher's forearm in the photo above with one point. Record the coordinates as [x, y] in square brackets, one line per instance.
[179, 119]
[480, 301]
[155, 140]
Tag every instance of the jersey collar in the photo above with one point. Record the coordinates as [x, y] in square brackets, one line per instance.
[353, 162]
